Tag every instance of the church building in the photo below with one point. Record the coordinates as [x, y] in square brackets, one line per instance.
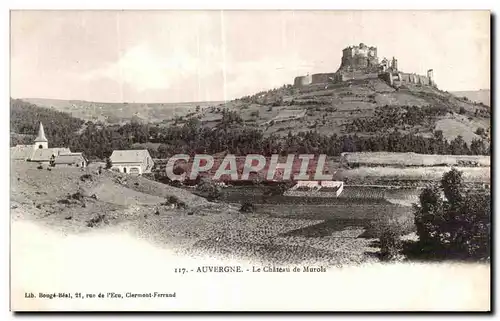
[41, 153]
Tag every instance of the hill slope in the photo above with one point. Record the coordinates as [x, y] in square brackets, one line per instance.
[361, 107]
[359, 115]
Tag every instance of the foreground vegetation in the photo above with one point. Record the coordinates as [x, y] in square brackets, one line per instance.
[451, 223]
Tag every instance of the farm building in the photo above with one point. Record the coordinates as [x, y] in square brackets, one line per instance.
[71, 159]
[312, 188]
[131, 161]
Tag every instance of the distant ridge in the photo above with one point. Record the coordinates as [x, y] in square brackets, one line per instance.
[120, 112]
[479, 96]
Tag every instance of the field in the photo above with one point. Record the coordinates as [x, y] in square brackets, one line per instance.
[413, 159]
[416, 174]
[452, 128]
[273, 233]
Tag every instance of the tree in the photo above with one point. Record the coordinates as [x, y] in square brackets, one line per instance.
[453, 185]
[477, 147]
[458, 146]
[109, 164]
[438, 134]
[456, 226]
[480, 131]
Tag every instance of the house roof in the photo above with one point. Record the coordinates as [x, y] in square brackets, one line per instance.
[71, 154]
[44, 154]
[21, 151]
[129, 156]
[41, 135]
[71, 158]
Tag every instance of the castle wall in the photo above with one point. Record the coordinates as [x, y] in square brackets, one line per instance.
[314, 79]
[302, 81]
[424, 80]
[406, 78]
[322, 78]
[356, 75]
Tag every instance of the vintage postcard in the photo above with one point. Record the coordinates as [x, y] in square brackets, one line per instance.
[212, 160]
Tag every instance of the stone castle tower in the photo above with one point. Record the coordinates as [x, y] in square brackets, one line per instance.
[361, 57]
[41, 142]
[430, 75]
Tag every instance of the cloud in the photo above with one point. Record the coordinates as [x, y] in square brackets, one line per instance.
[145, 69]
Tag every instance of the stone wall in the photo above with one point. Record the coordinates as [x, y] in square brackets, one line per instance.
[402, 78]
[355, 75]
[313, 79]
[413, 79]
[302, 81]
[322, 78]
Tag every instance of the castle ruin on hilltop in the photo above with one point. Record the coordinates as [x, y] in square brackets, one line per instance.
[362, 62]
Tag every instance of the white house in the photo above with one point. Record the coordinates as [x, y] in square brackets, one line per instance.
[131, 161]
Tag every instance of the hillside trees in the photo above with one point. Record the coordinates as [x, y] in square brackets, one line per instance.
[98, 140]
[59, 127]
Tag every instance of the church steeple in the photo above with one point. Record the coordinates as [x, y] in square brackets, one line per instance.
[41, 141]
[41, 135]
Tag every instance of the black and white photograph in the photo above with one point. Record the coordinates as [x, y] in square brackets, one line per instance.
[250, 160]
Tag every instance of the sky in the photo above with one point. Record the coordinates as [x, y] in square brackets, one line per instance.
[187, 56]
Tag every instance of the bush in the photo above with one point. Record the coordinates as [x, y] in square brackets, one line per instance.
[86, 177]
[172, 199]
[247, 207]
[76, 196]
[209, 189]
[456, 226]
[40, 167]
[462, 110]
[109, 164]
[390, 243]
[480, 131]
[255, 113]
[175, 201]
[97, 219]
